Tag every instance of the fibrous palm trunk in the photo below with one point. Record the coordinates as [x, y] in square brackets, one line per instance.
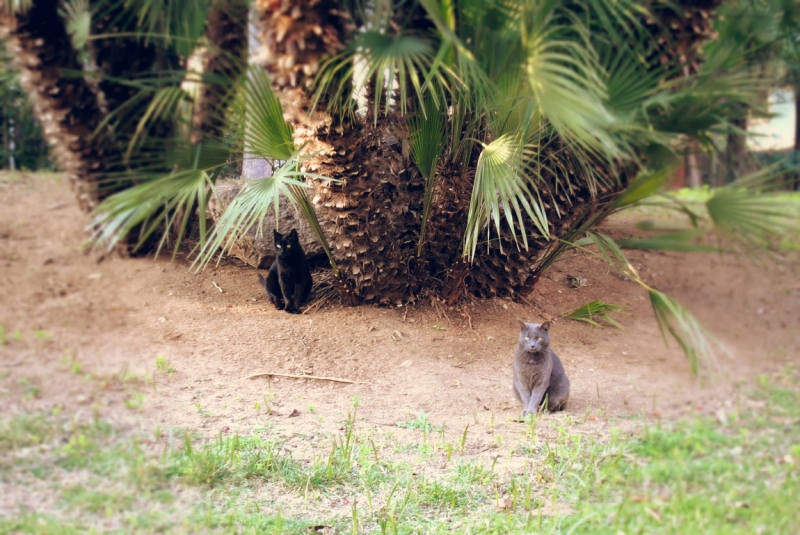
[65, 104]
[372, 216]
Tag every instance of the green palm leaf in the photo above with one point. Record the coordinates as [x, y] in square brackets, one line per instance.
[426, 137]
[256, 120]
[564, 80]
[697, 344]
[152, 205]
[596, 310]
[647, 183]
[673, 319]
[674, 241]
[252, 205]
[752, 220]
[501, 186]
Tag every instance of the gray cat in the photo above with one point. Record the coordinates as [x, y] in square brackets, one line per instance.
[538, 371]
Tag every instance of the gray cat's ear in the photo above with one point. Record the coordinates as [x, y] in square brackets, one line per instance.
[522, 325]
[545, 326]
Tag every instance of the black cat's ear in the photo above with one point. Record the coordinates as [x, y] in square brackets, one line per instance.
[293, 234]
[277, 235]
[522, 325]
[545, 326]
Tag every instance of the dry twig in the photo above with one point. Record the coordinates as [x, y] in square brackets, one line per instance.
[291, 376]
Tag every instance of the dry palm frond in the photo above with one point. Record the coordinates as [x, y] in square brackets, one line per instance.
[323, 290]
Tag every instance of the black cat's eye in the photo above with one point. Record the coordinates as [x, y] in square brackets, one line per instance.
[289, 246]
[277, 246]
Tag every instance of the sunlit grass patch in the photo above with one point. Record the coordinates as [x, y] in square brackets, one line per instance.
[732, 471]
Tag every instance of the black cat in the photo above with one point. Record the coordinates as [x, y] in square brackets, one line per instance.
[288, 282]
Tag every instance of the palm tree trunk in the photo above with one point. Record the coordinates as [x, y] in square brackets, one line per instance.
[65, 105]
[226, 60]
[372, 216]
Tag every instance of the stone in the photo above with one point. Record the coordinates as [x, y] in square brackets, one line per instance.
[256, 249]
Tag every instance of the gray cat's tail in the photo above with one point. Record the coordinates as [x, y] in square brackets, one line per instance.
[262, 280]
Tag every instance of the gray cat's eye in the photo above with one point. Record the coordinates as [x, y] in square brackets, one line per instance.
[527, 338]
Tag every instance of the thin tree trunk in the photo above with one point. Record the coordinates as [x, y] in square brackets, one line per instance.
[4, 126]
[693, 166]
[796, 155]
[736, 150]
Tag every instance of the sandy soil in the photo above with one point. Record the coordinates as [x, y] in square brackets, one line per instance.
[109, 321]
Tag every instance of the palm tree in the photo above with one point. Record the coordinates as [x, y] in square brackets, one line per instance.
[65, 106]
[438, 149]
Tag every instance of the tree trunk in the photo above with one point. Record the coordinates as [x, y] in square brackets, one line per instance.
[252, 166]
[796, 155]
[372, 216]
[736, 149]
[694, 174]
[226, 60]
[65, 105]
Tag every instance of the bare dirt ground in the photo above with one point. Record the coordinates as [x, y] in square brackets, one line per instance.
[90, 334]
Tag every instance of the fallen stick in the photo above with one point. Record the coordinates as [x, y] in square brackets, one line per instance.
[335, 379]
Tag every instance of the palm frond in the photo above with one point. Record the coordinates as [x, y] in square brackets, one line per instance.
[750, 212]
[78, 20]
[152, 205]
[682, 241]
[179, 24]
[697, 344]
[252, 205]
[646, 183]
[596, 310]
[673, 319]
[164, 106]
[454, 52]
[256, 119]
[426, 137]
[564, 80]
[500, 185]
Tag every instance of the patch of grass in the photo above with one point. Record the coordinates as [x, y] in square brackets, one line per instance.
[26, 430]
[42, 335]
[420, 422]
[135, 402]
[3, 336]
[596, 310]
[163, 365]
[32, 389]
[734, 472]
[97, 502]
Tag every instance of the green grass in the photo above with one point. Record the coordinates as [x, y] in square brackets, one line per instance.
[737, 471]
